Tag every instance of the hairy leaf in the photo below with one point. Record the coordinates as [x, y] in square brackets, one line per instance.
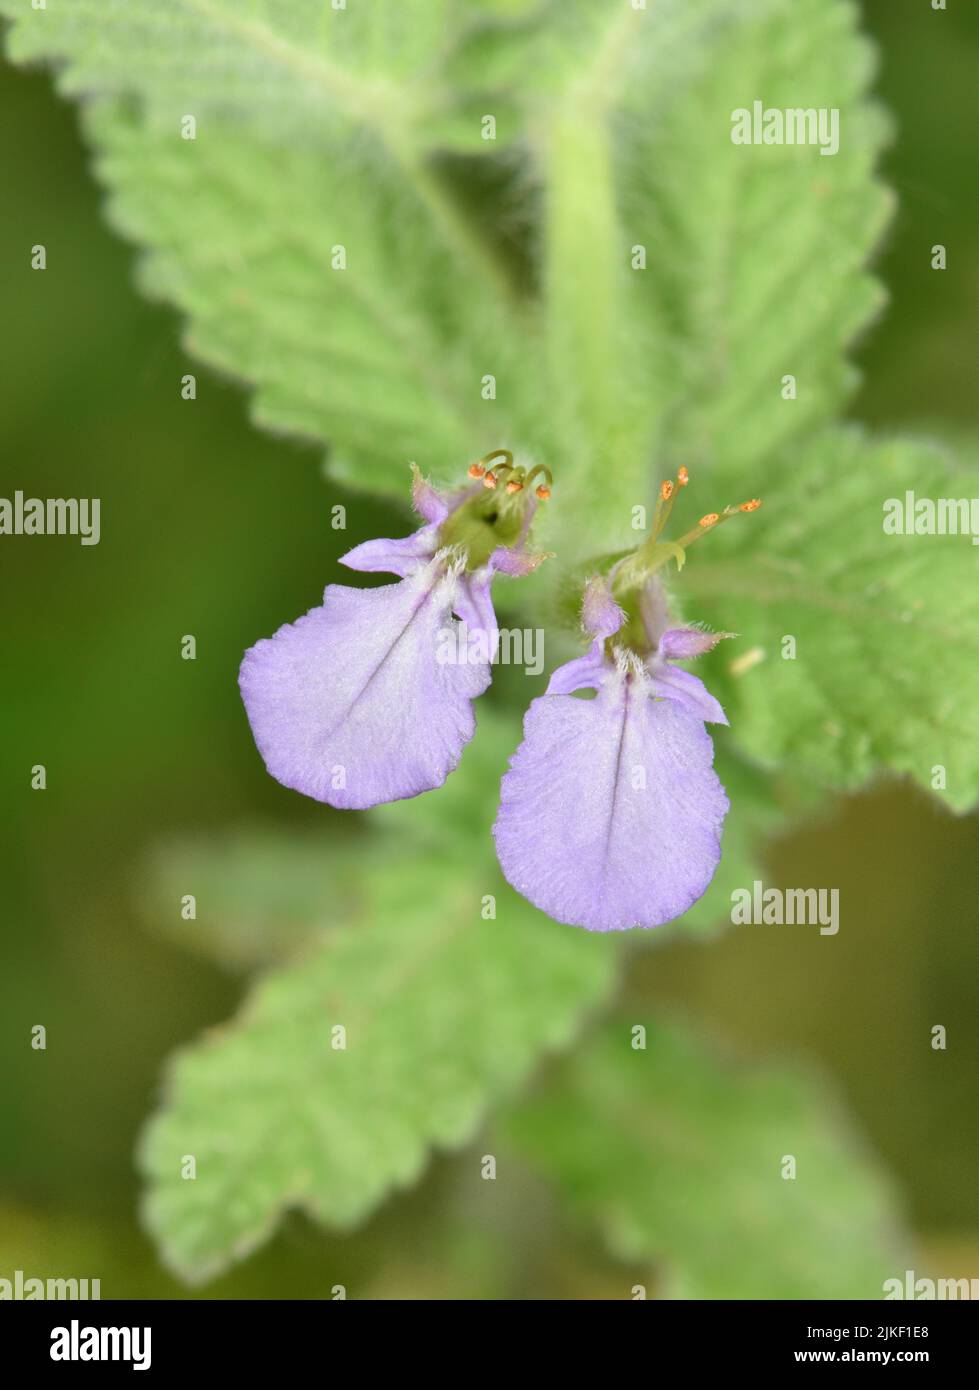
[681, 1161]
[858, 649]
[445, 1013]
[754, 253]
[320, 129]
[259, 895]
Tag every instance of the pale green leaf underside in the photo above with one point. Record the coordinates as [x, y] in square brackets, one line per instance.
[319, 128]
[678, 1159]
[886, 627]
[259, 894]
[445, 1014]
[755, 253]
[383, 358]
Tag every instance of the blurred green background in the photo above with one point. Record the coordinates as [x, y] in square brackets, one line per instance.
[213, 529]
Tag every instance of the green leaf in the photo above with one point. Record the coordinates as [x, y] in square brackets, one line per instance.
[678, 1159]
[259, 894]
[755, 253]
[319, 128]
[383, 358]
[886, 627]
[445, 1014]
[306, 141]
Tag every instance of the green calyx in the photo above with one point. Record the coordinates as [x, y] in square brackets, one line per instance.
[495, 514]
[630, 574]
[482, 523]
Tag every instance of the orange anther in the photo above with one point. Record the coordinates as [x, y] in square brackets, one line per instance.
[490, 479]
[751, 506]
[709, 519]
[476, 470]
[513, 486]
[666, 491]
[682, 477]
[544, 492]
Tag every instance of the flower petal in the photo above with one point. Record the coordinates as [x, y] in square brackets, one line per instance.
[584, 672]
[515, 560]
[601, 616]
[688, 690]
[686, 643]
[427, 501]
[403, 557]
[611, 812]
[654, 610]
[352, 705]
[473, 603]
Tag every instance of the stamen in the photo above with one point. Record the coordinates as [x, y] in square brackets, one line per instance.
[543, 490]
[492, 473]
[659, 552]
[487, 459]
[493, 476]
[664, 505]
[712, 519]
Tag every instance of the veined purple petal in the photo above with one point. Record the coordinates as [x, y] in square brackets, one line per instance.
[515, 560]
[584, 672]
[407, 554]
[473, 603]
[611, 812]
[352, 704]
[404, 556]
[686, 643]
[686, 689]
[654, 610]
[427, 501]
[601, 616]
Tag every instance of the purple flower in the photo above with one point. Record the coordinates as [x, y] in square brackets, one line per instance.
[351, 704]
[610, 815]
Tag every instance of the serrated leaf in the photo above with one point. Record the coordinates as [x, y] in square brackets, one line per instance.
[678, 1160]
[886, 627]
[310, 62]
[445, 1014]
[382, 358]
[259, 894]
[305, 142]
[319, 128]
[755, 253]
